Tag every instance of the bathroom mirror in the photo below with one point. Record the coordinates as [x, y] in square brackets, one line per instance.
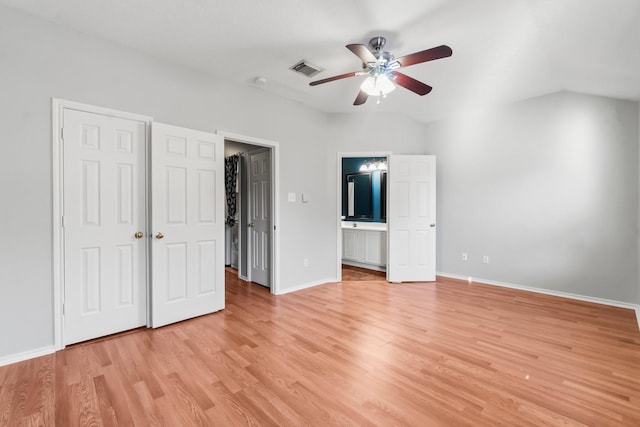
[359, 204]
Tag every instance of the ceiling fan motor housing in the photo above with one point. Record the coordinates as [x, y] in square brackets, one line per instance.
[383, 58]
[377, 43]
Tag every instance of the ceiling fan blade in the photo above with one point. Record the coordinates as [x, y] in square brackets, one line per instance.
[410, 83]
[424, 56]
[330, 79]
[362, 52]
[361, 98]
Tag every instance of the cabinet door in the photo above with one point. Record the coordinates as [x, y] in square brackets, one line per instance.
[383, 248]
[372, 247]
[350, 245]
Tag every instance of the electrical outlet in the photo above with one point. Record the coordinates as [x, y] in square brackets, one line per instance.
[465, 257]
[305, 262]
[485, 259]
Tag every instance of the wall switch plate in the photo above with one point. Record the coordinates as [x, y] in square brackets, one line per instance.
[291, 197]
[465, 257]
[305, 262]
[485, 259]
[305, 197]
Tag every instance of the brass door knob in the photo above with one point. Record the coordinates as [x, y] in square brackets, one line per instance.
[159, 235]
[139, 235]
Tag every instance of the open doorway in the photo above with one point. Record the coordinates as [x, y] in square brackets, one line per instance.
[404, 238]
[249, 208]
[362, 206]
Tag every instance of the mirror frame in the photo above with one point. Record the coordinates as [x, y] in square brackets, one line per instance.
[370, 191]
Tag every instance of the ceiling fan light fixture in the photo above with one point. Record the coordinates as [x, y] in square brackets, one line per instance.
[378, 85]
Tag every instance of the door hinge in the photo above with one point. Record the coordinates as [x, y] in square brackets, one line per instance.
[62, 221]
[274, 227]
[62, 134]
[63, 307]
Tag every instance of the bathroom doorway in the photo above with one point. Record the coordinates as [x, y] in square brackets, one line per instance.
[362, 206]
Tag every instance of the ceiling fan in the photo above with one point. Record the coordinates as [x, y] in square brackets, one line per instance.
[381, 68]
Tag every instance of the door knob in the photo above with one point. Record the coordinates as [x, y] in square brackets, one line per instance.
[433, 225]
[159, 235]
[250, 225]
[138, 235]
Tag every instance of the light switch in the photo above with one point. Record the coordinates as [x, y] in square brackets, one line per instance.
[291, 197]
[305, 198]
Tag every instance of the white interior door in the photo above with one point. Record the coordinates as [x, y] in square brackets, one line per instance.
[103, 218]
[412, 218]
[260, 219]
[187, 190]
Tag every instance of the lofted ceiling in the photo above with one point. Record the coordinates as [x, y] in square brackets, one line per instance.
[503, 50]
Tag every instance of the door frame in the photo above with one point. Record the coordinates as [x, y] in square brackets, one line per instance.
[57, 113]
[274, 147]
[339, 157]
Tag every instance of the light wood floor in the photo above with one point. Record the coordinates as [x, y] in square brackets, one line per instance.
[356, 353]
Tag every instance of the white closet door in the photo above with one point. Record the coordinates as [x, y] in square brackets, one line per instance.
[104, 208]
[187, 223]
[260, 225]
[412, 218]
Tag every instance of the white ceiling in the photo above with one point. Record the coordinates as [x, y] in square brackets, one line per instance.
[503, 50]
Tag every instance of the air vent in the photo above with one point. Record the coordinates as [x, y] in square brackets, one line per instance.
[303, 67]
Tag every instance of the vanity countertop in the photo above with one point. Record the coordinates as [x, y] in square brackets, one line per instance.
[364, 225]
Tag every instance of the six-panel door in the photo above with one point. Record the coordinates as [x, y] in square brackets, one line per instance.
[187, 223]
[412, 218]
[260, 225]
[103, 209]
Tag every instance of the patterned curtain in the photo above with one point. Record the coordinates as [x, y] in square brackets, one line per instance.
[230, 180]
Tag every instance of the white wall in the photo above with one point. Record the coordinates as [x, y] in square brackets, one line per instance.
[39, 61]
[548, 189]
[374, 132]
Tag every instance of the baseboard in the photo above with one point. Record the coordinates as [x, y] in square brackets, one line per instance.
[578, 297]
[306, 285]
[363, 265]
[26, 355]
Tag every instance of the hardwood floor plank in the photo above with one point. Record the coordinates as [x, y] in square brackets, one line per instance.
[361, 352]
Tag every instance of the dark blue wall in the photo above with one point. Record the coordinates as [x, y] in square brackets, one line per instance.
[352, 165]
